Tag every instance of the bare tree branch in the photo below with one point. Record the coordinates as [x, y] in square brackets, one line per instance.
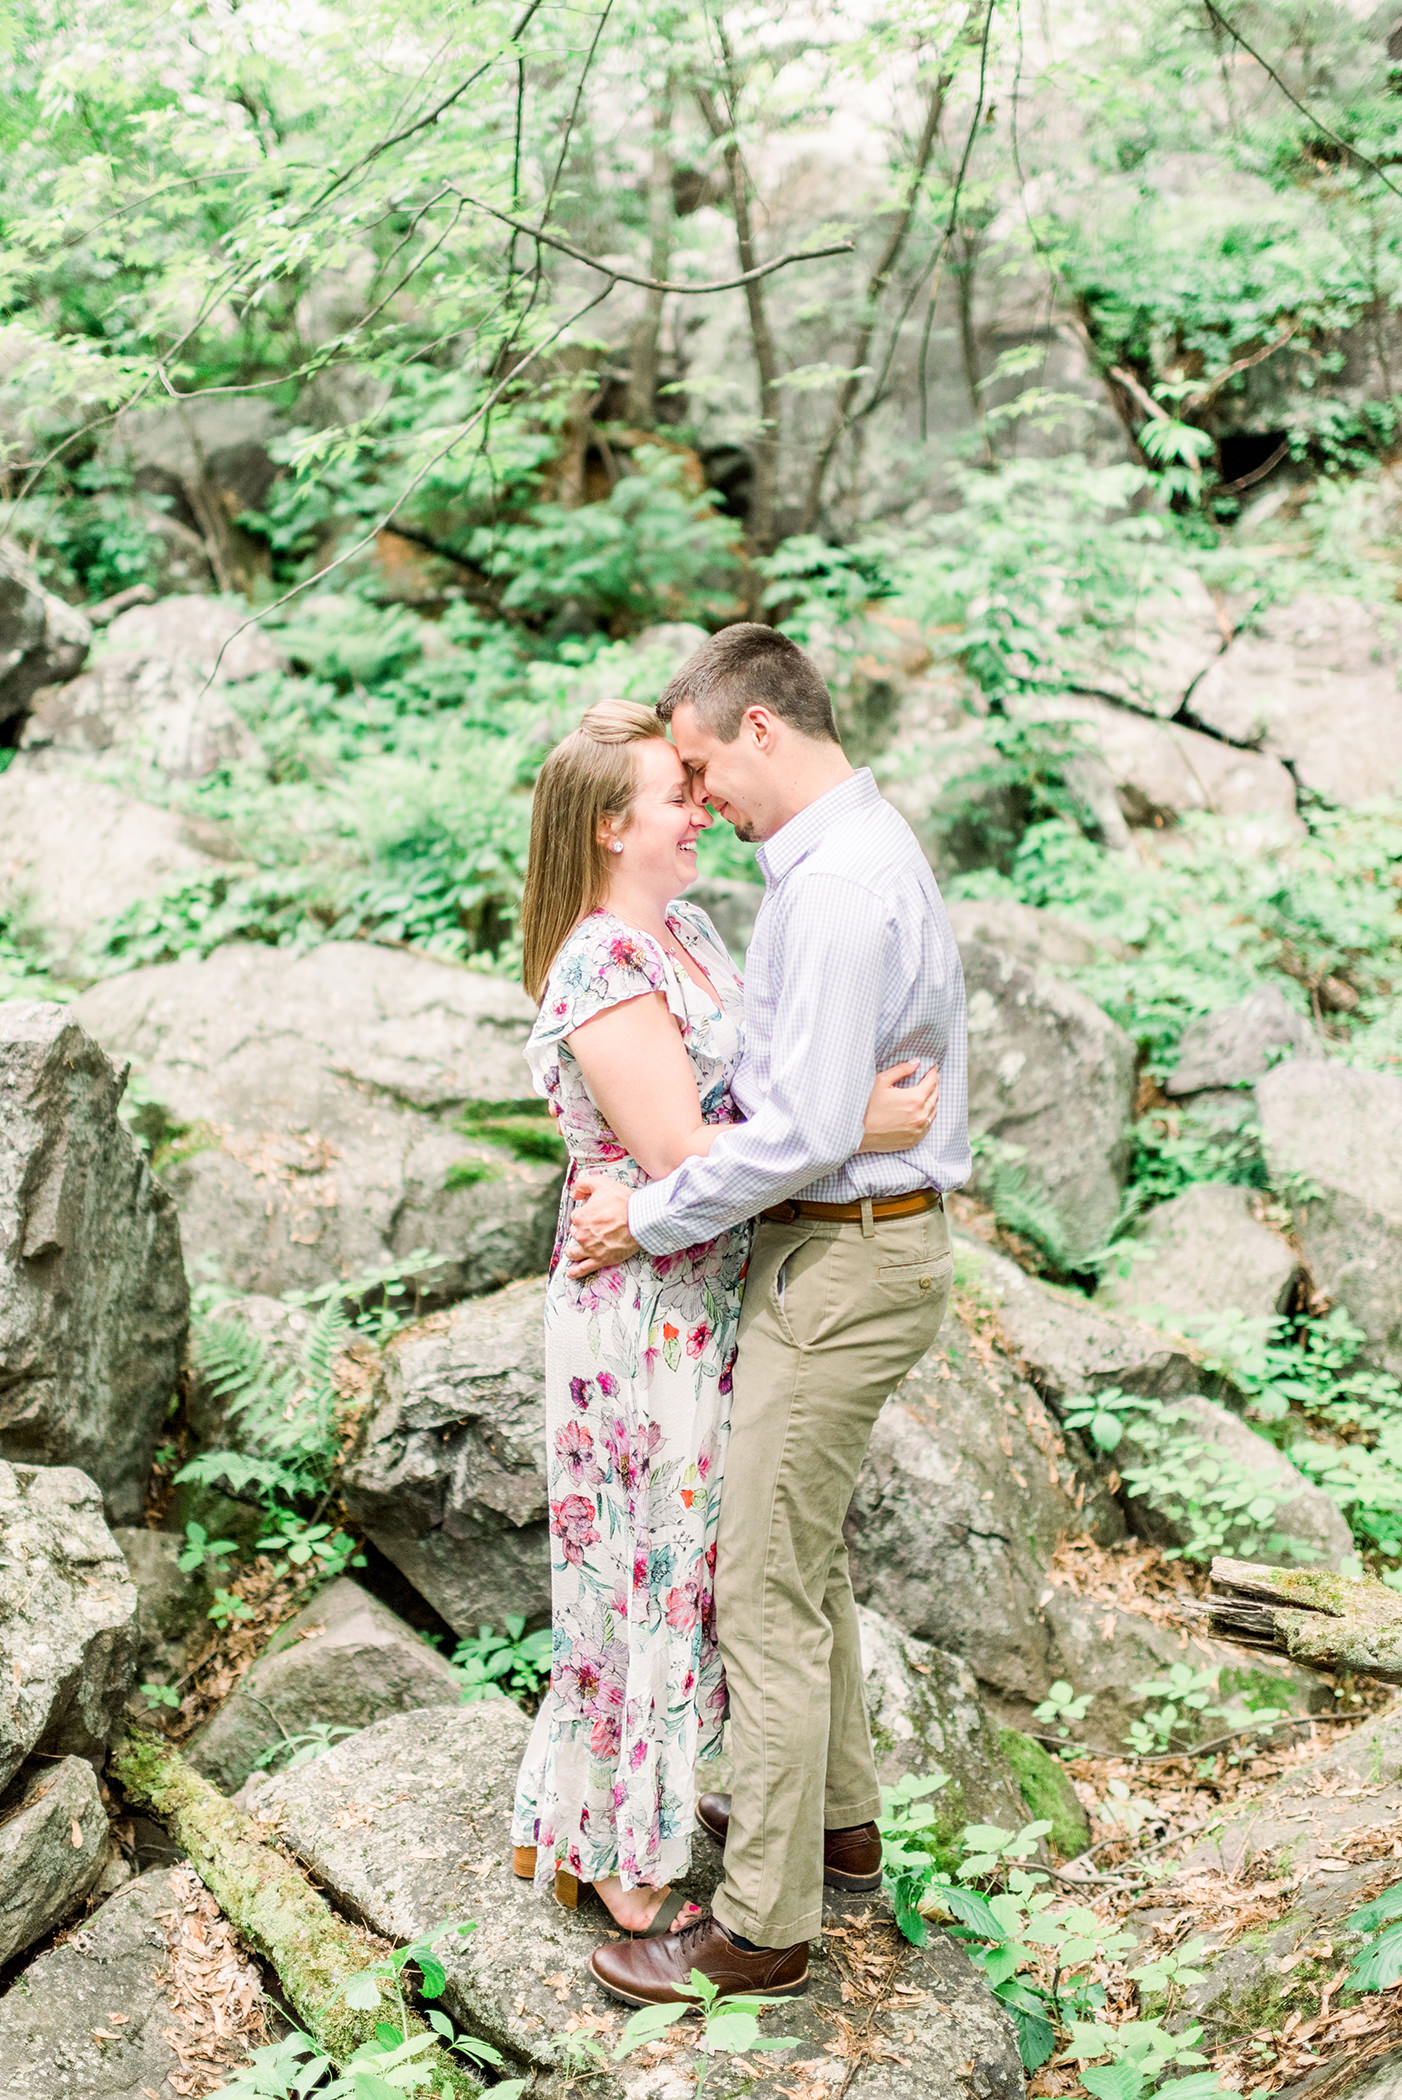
[654, 284]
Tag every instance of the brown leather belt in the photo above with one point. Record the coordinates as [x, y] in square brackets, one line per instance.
[851, 1213]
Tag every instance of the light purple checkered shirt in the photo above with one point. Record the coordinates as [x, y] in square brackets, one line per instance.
[852, 968]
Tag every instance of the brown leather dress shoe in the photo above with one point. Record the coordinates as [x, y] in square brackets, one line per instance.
[851, 1858]
[656, 1972]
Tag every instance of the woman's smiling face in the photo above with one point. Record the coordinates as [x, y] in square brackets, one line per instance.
[659, 837]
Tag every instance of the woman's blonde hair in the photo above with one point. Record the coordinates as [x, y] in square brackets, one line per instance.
[591, 774]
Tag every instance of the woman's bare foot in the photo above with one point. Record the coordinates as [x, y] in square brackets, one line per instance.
[635, 1909]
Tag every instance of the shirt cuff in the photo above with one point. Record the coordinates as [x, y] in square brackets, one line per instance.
[647, 1218]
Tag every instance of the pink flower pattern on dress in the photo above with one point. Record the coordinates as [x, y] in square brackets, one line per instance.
[637, 1377]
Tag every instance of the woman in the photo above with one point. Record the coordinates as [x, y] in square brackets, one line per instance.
[638, 1034]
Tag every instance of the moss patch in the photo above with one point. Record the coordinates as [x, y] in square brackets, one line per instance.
[470, 1173]
[525, 1134]
[1047, 1792]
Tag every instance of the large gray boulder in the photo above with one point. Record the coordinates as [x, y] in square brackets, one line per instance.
[1314, 682]
[967, 1488]
[1240, 1043]
[93, 1298]
[1068, 1346]
[344, 1660]
[42, 640]
[1135, 770]
[1051, 1087]
[53, 1844]
[306, 1108]
[115, 2013]
[68, 1626]
[407, 1824]
[1043, 940]
[450, 1479]
[76, 852]
[1199, 1255]
[147, 703]
[926, 1715]
[1333, 1141]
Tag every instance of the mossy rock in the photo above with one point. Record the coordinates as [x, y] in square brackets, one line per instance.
[1047, 1791]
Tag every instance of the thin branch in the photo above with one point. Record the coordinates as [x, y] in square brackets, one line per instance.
[397, 138]
[1208, 394]
[1219, 20]
[655, 284]
[953, 218]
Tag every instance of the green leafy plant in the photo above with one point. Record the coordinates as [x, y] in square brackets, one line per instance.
[301, 1748]
[512, 1661]
[226, 1608]
[160, 1695]
[1061, 1707]
[1377, 1965]
[299, 1545]
[200, 1551]
[729, 2026]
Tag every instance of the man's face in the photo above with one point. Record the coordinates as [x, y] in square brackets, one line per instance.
[733, 779]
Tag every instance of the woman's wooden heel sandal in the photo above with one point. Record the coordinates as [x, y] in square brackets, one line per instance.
[567, 1889]
[523, 1862]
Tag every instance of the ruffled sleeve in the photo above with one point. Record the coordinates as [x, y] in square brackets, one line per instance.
[602, 964]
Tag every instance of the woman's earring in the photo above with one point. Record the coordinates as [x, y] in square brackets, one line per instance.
[614, 846]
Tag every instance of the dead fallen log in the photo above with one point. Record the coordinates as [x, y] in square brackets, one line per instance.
[1316, 1617]
[271, 1902]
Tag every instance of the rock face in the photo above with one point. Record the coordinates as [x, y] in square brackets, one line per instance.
[1315, 682]
[966, 1490]
[344, 1659]
[1141, 771]
[1304, 1524]
[307, 1103]
[1042, 940]
[147, 700]
[406, 1824]
[1240, 1043]
[926, 1715]
[1333, 1140]
[75, 852]
[93, 1298]
[59, 2039]
[1200, 1254]
[1105, 1651]
[450, 1479]
[1066, 1345]
[173, 1605]
[52, 1848]
[1051, 1084]
[41, 639]
[1317, 1831]
[68, 1625]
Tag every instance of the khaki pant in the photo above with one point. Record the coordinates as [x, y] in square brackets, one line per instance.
[834, 1316]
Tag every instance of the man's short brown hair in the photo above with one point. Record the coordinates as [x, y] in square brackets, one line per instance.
[749, 665]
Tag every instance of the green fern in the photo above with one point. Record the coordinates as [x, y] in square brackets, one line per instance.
[284, 1419]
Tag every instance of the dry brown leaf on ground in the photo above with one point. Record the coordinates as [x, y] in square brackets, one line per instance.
[213, 1988]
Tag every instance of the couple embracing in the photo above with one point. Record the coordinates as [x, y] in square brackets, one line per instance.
[787, 1143]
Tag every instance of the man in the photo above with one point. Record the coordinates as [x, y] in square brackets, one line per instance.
[853, 967]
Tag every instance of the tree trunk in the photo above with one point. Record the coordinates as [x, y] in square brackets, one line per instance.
[876, 285]
[642, 363]
[272, 1904]
[766, 450]
[1324, 1620]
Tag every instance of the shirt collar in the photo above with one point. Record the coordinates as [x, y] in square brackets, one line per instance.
[792, 842]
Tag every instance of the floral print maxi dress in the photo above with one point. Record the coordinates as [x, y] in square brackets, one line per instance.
[637, 1375]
